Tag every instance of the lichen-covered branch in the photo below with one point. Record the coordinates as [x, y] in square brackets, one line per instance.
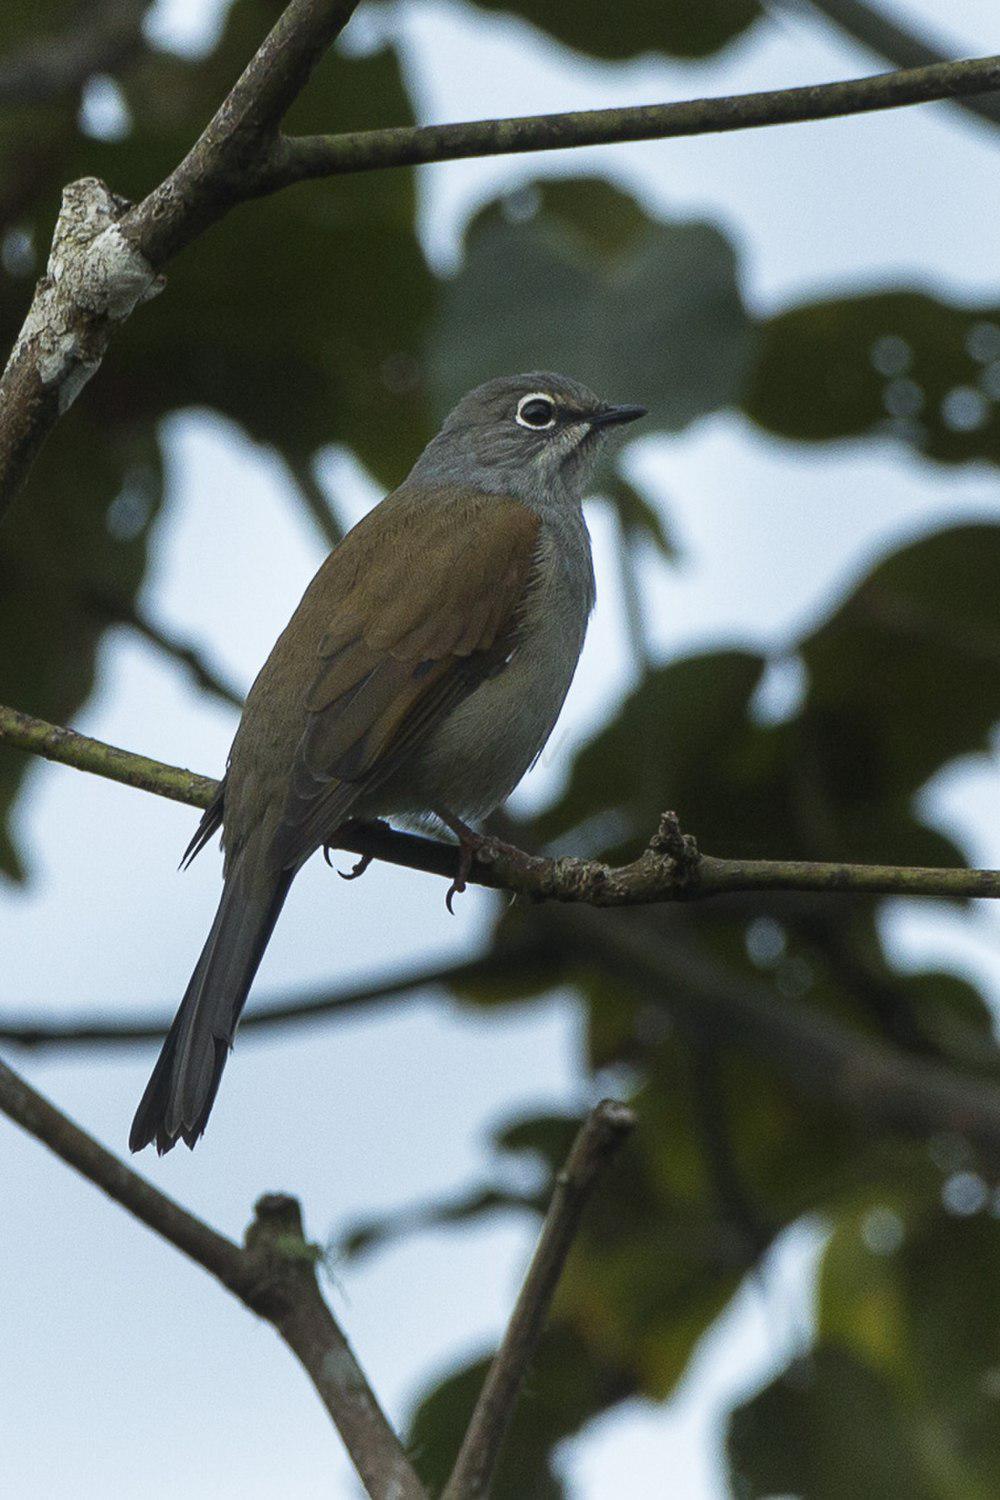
[106, 255]
[671, 868]
[95, 277]
[274, 1275]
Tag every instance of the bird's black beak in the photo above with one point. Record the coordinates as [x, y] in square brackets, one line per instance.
[610, 416]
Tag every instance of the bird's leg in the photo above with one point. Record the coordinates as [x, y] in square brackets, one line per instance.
[364, 861]
[469, 844]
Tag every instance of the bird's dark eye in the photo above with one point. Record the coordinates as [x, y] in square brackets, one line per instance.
[536, 411]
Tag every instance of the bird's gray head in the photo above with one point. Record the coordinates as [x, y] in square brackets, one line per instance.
[533, 435]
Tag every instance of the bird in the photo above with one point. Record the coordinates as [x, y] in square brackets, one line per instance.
[419, 678]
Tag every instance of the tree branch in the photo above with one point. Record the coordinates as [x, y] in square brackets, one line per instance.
[600, 1137]
[526, 956]
[300, 157]
[72, 749]
[896, 44]
[315, 502]
[671, 868]
[822, 1058]
[189, 656]
[231, 159]
[107, 254]
[274, 1276]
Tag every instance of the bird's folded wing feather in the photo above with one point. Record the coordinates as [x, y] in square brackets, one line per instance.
[415, 624]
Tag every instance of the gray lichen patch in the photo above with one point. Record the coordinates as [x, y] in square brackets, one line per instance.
[94, 277]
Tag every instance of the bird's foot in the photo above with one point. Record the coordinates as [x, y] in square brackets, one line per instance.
[361, 865]
[470, 843]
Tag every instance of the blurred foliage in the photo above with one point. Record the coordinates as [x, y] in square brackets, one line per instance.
[729, 1152]
[900, 363]
[313, 318]
[574, 276]
[611, 31]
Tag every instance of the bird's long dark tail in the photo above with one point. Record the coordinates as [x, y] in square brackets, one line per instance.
[182, 1088]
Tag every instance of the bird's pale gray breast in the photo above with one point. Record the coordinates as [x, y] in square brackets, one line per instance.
[477, 756]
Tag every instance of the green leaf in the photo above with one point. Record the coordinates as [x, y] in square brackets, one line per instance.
[639, 519]
[74, 541]
[895, 363]
[903, 676]
[828, 1428]
[678, 736]
[903, 1285]
[575, 277]
[645, 26]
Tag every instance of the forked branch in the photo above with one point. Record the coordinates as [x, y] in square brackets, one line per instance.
[274, 1275]
[107, 255]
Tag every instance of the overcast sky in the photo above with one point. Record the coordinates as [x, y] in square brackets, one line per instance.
[132, 1372]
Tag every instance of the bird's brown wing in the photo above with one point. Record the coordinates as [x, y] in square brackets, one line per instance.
[415, 624]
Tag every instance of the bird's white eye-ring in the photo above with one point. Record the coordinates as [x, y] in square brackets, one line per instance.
[536, 411]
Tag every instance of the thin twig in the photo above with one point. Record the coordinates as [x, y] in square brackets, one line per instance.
[315, 501]
[898, 45]
[186, 653]
[600, 1137]
[671, 868]
[274, 1276]
[511, 961]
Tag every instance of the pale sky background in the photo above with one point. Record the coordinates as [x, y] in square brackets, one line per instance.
[125, 1369]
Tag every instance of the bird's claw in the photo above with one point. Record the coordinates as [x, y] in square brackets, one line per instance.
[469, 845]
[356, 869]
[361, 865]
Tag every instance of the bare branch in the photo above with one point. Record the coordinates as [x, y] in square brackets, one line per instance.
[600, 1137]
[670, 869]
[188, 655]
[528, 955]
[274, 1276]
[301, 157]
[822, 1058]
[897, 44]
